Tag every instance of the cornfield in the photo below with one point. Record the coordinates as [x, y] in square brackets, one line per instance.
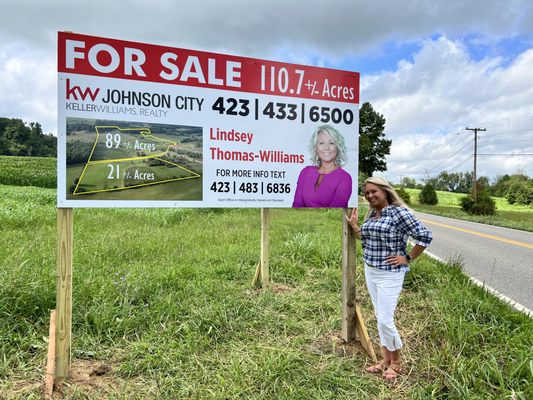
[28, 171]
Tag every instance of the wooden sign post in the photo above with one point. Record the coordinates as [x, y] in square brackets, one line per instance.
[265, 230]
[348, 279]
[353, 325]
[63, 292]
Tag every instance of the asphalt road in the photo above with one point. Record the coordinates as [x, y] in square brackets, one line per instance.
[501, 258]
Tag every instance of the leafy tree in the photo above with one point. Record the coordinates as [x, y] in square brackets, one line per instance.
[78, 152]
[428, 195]
[457, 182]
[4, 146]
[373, 147]
[520, 191]
[19, 139]
[407, 182]
[501, 185]
[448, 182]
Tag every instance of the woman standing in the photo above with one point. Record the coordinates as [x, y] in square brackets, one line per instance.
[384, 233]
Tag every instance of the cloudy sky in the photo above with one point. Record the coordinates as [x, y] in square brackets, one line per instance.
[431, 67]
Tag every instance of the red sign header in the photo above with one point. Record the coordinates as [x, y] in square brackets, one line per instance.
[91, 55]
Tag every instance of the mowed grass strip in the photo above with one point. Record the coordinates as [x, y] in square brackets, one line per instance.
[164, 296]
[513, 216]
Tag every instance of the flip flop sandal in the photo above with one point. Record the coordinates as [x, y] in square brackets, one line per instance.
[377, 368]
[391, 374]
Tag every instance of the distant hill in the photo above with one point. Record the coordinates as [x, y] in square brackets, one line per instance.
[18, 138]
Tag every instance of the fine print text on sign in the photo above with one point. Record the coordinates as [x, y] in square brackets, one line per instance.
[143, 125]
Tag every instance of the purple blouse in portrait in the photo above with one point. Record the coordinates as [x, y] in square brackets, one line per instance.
[334, 190]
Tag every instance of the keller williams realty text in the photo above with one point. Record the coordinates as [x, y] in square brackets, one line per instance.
[147, 112]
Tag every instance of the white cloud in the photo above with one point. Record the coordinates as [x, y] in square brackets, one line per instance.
[333, 27]
[28, 86]
[443, 91]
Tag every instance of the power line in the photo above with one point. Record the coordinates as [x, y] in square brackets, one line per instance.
[496, 141]
[523, 116]
[510, 133]
[466, 159]
[505, 154]
[450, 157]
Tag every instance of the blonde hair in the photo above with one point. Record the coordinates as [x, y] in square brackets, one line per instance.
[392, 197]
[337, 137]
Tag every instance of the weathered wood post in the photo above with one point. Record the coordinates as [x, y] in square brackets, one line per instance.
[348, 279]
[64, 291]
[265, 220]
[353, 324]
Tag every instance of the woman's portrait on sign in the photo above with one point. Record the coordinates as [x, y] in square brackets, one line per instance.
[324, 183]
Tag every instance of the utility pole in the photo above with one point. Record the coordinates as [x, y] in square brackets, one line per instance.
[476, 130]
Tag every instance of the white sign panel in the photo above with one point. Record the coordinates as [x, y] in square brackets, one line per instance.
[143, 125]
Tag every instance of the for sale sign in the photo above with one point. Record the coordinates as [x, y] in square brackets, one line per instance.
[144, 125]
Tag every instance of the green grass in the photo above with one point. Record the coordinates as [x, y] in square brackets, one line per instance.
[507, 215]
[165, 297]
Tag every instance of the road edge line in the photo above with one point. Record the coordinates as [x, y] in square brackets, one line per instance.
[502, 297]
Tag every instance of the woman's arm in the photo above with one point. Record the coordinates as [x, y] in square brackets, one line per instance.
[422, 236]
[408, 223]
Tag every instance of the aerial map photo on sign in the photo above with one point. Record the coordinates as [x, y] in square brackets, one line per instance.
[126, 160]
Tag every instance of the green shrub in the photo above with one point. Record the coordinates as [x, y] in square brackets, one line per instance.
[485, 205]
[406, 197]
[428, 195]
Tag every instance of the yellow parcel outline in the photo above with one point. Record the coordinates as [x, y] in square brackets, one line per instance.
[145, 133]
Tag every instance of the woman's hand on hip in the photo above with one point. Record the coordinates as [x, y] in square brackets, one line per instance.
[396, 261]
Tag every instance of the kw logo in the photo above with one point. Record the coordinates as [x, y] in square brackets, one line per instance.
[74, 91]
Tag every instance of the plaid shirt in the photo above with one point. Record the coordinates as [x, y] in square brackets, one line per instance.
[387, 236]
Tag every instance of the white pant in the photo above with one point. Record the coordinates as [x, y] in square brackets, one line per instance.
[384, 288]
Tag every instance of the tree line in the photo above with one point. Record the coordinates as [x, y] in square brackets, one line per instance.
[516, 188]
[20, 139]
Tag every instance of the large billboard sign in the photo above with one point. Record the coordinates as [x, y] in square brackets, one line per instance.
[142, 125]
